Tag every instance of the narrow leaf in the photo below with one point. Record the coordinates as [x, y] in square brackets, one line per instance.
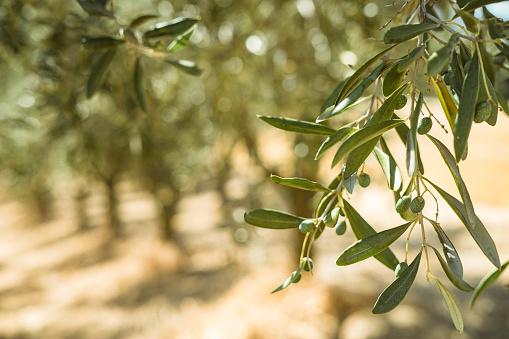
[457, 281]
[181, 41]
[170, 28]
[446, 101]
[357, 157]
[139, 87]
[93, 7]
[290, 279]
[363, 135]
[473, 4]
[411, 145]
[466, 109]
[141, 20]
[350, 99]
[186, 66]
[403, 33]
[98, 72]
[486, 281]
[330, 102]
[392, 80]
[454, 311]
[394, 294]
[456, 76]
[455, 171]
[362, 230]
[369, 246]
[450, 253]
[293, 125]
[416, 53]
[358, 75]
[390, 169]
[299, 183]
[487, 93]
[266, 218]
[100, 42]
[442, 57]
[502, 102]
[477, 231]
[333, 139]
[349, 183]
[470, 21]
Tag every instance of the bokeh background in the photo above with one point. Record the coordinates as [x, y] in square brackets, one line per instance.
[119, 225]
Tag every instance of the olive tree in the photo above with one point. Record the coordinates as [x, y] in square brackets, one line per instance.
[438, 47]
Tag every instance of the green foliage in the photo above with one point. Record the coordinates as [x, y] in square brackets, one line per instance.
[462, 65]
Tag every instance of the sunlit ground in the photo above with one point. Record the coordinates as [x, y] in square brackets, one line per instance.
[57, 282]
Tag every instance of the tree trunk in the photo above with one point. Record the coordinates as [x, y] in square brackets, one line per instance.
[114, 223]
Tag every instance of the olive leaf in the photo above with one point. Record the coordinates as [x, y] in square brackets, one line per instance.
[477, 230]
[100, 42]
[393, 79]
[358, 75]
[357, 156]
[330, 102]
[470, 21]
[141, 20]
[186, 66]
[502, 102]
[394, 294]
[412, 56]
[456, 76]
[403, 33]
[95, 7]
[170, 28]
[456, 281]
[362, 230]
[293, 125]
[486, 281]
[403, 132]
[138, 85]
[442, 57]
[454, 311]
[267, 218]
[353, 97]
[446, 101]
[181, 41]
[389, 167]
[450, 253]
[473, 4]
[333, 139]
[290, 279]
[466, 109]
[299, 183]
[496, 32]
[98, 72]
[371, 245]
[411, 145]
[487, 59]
[455, 171]
[349, 183]
[362, 136]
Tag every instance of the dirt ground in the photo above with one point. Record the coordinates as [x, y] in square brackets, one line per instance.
[58, 282]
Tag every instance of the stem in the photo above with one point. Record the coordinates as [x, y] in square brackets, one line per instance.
[441, 23]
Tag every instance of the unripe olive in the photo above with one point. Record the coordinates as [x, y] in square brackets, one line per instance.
[341, 213]
[297, 279]
[332, 218]
[447, 78]
[400, 268]
[308, 264]
[401, 102]
[307, 225]
[482, 112]
[424, 125]
[364, 180]
[403, 204]
[417, 204]
[340, 227]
